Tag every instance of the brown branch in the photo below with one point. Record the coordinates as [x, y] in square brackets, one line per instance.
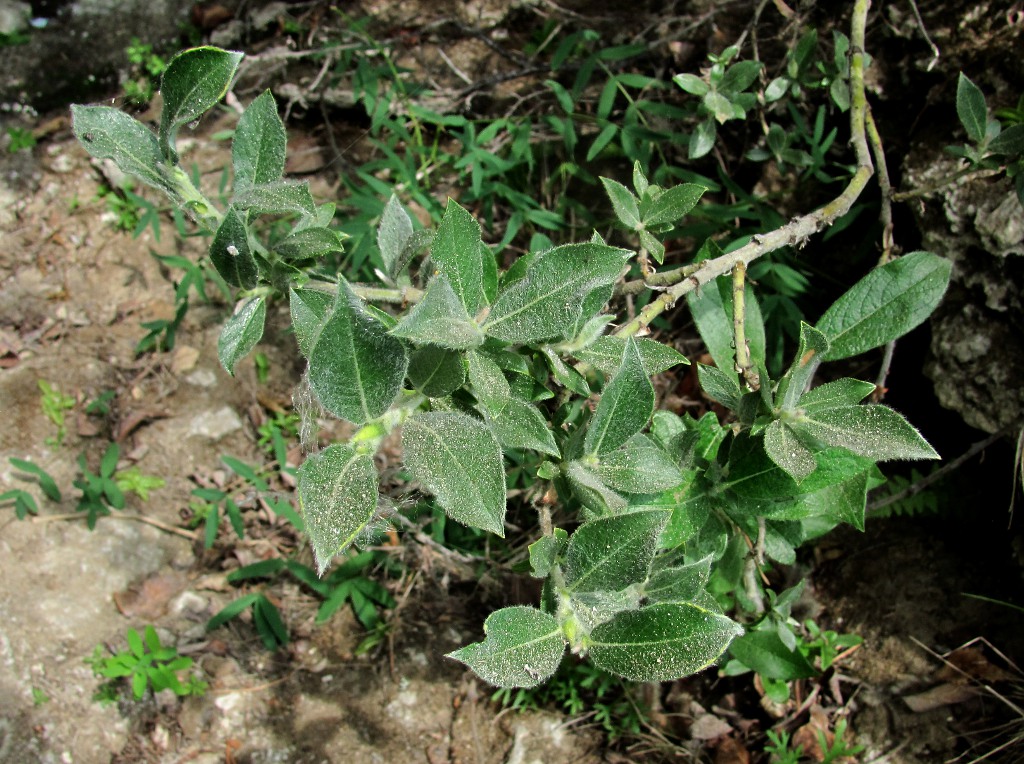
[798, 231]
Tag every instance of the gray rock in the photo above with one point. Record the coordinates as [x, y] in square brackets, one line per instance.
[14, 16]
[78, 54]
[977, 347]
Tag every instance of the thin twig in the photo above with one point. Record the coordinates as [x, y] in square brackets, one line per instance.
[885, 215]
[739, 327]
[925, 35]
[798, 231]
[927, 480]
[883, 372]
[120, 516]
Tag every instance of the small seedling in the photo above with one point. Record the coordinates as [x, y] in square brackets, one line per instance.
[346, 584]
[148, 664]
[21, 139]
[55, 404]
[24, 502]
[39, 698]
[100, 492]
[147, 67]
[132, 480]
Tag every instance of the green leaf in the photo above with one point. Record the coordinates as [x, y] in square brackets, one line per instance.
[813, 348]
[519, 424]
[692, 84]
[739, 77]
[661, 642]
[605, 355]
[875, 432]
[970, 107]
[752, 475]
[436, 372]
[281, 197]
[456, 254]
[703, 138]
[356, 368]
[776, 89]
[338, 497]
[194, 81]
[547, 301]
[24, 502]
[241, 332]
[544, 552]
[523, 648]
[565, 375]
[456, 458]
[720, 385]
[440, 319]
[309, 308]
[639, 466]
[672, 204]
[623, 202]
[591, 491]
[46, 481]
[785, 449]
[764, 652]
[231, 254]
[1010, 142]
[840, 392]
[393, 234]
[489, 384]
[885, 304]
[109, 133]
[625, 406]
[714, 320]
[610, 553]
[232, 610]
[309, 243]
[681, 583]
[258, 147]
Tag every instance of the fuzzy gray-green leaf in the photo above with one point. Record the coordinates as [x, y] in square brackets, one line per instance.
[639, 467]
[356, 368]
[490, 387]
[970, 107]
[679, 583]
[876, 432]
[338, 497]
[523, 648]
[258, 148]
[623, 202]
[661, 642]
[839, 392]
[547, 302]
[672, 204]
[625, 407]
[813, 348]
[241, 332]
[519, 424]
[309, 308]
[440, 319]
[230, 252]
[282, 197]
[611, 553]
[309, 243]
[393, 234]
[194, 81]
[605, 355]
[887, 303]
[456, 253]
[456, 458]
[109, 133]
[436, 372]
[786, 450]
